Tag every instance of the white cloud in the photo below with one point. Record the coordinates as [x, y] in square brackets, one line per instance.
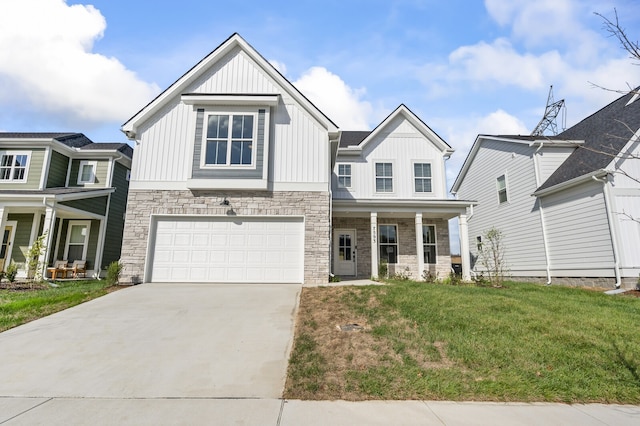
[341, 103]
[47, 64]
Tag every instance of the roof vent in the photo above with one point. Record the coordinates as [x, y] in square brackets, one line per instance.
[635, 96]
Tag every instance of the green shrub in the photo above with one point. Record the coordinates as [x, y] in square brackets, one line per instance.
[113, 272]
[12, 271]
[383, 269]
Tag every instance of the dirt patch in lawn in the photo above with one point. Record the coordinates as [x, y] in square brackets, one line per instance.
[341, 342]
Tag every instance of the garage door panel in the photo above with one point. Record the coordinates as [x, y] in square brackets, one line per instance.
[222, 249]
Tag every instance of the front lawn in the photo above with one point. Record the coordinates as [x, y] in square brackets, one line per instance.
[18, 306]
[437, 342]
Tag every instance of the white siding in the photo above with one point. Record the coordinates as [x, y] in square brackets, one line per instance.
[549, 159]
[401, 145]
[518, 218]
[578, 232]
[630, 166]
[299, 150]
[628, 228]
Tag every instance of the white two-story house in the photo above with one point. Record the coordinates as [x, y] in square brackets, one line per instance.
[234, 174]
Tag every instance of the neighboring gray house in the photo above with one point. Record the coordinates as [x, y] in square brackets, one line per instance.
[233, 178]
[568, 211]
[63, 186]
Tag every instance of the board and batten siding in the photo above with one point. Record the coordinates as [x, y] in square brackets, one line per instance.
[578, 232]
[628, 201]
[57, 174]
[298, 150]
[519, 218]
[403, 145]
[36, 162]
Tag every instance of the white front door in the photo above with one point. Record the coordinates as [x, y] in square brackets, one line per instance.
[7, 243]
[344, 242]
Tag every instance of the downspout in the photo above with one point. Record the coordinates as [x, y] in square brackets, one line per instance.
[545, 241]
[614, 239]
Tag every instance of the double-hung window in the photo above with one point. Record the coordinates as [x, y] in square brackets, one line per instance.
[77, 240]
[388, 236]
[422, 177]
[384, 177]
[344, 175]
[13, 166]
[87, 172]
[429, 243]
[230, 140]
[502, 189]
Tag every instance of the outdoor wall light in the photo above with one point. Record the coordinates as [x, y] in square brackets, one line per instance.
[225, 202]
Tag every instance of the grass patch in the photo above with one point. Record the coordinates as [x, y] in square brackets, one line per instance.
[519, 343]
[24, 305]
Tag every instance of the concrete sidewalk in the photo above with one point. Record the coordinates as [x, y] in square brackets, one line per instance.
[189, 411]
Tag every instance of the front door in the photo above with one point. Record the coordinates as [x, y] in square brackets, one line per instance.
[7, 241]
[345, 252]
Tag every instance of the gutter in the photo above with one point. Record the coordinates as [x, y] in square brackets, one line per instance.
[614, 239]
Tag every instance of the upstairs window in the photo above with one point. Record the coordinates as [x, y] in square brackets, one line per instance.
[384, 177]
[344, 175]
[87, 172]
[13, 167]
[230, 140]
[502, 189]
[422, 177]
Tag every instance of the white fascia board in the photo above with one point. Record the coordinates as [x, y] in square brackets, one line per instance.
[572, 182]
[130, 127]
[230, 99]
[83, 195]
[403, 204]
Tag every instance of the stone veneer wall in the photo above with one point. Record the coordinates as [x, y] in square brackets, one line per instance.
[314, 206]
[407, 256]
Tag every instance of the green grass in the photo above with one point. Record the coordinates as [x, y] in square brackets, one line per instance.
[21, 306]
[518, 343]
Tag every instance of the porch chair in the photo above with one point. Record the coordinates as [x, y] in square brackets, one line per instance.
[59, 267]
[78, 267]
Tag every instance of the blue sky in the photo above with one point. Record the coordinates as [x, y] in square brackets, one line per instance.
[465, 67]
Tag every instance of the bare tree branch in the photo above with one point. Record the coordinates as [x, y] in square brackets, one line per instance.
[615, 30]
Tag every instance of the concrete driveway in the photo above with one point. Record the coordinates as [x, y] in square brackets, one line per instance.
[156, 341]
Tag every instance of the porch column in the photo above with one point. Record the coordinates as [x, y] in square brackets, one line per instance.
[419, 245]
[374, 244]
[464, 247]
[47, 231]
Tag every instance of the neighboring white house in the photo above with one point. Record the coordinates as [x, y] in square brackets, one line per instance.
[232, 182]
[567, 211]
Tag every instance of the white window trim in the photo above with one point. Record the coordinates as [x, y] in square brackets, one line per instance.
[397, 244]
[86, 223]
[434, 244]
[230, 112]
[350, 175]
[84, 163]
[393, 176]
[413, 172]
[26, 169]
[506, 189]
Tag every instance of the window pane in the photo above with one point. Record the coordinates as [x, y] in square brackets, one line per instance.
[417, 170]
[216, 152]
[78, 233]
[240, 152]
[218, 127]
[246, 152]
[428, 234]
[388, 234]
[237, 126]
[347, 182]
[21, 160]
[429, 254]
[75, 252]
[389, 253]
[87, 173]
[7, 160]
[247, 131]
[422, 170]
[384, 170]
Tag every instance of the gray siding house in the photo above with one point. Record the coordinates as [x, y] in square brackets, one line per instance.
[67, 188]
[568, 205]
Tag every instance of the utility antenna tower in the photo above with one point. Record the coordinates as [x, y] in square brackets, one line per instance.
[550, 114]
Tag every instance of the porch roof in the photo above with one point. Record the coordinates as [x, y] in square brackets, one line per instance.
[54, 194]
[440, 209]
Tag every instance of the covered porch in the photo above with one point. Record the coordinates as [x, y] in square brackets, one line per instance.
[408, 238]
[71, 223]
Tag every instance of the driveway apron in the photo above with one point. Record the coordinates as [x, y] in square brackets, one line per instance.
[157, 341]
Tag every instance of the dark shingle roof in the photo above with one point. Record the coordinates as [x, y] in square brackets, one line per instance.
[353, 138]
[123, 148]
[73, 140]
[605, 133]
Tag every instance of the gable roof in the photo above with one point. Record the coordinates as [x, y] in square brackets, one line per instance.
[177, 88]
[605, 133]
[77, 141]
[355, 141]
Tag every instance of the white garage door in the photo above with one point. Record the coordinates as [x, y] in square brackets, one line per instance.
[228, 250]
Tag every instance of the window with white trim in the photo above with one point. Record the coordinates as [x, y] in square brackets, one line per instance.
[388, 237]
[422, 177]
[501, 184]
[384, 177]
[230, 140]
[344, 175]
[77, 240]
[13, 166]
[87, 171]
[429, 243]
